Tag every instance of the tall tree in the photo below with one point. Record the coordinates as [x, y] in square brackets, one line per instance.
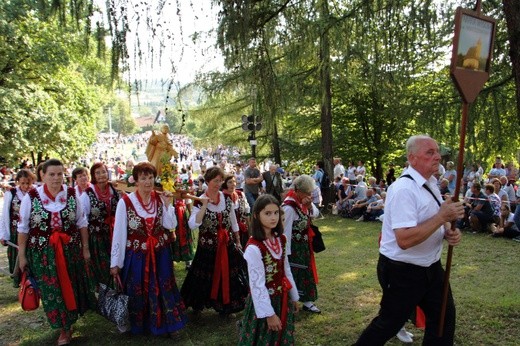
[512, 14]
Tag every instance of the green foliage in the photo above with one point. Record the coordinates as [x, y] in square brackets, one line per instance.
[51, 90]
[389, 79]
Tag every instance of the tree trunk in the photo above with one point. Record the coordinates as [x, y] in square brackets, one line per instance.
[276, 144]
[512, 12]
[326, 96]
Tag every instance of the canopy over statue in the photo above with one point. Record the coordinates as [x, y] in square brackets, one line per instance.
[159, 146]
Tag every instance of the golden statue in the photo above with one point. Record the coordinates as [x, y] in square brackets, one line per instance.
[472, 57]
[159, 145]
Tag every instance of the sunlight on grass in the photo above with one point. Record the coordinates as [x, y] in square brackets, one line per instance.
[351, 276]
[485, 280]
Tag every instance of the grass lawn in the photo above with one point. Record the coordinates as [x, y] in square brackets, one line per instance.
[485, 279]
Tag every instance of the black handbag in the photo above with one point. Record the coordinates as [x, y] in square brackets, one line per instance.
[113, 305]
[317, 241]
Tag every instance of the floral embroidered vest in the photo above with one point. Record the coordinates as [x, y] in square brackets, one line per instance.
[99, 211]
[40, 228]
[300, 227]
[240, 212]
[14, 211]
[274, 268]
[210, 222]
[137, 235]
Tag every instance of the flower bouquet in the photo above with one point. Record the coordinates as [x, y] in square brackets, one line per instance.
[169, 176]
[170, 181]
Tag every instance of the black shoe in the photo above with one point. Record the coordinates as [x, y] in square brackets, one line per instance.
[313, 308]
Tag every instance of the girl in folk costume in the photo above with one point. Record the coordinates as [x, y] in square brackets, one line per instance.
[268, 317]
[53, 246]
[81, 180]
[99, 202]
[217, 277]
[10, 216]
[299, 210]
[240, 206]
[141, 252]
[183, 248]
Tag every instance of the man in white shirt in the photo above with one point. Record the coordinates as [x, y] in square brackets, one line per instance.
[409, 269]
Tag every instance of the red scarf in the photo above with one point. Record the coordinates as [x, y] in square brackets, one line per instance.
[49, 194]
[292, 194]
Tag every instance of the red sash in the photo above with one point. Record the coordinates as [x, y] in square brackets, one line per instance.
[221, 269]
[151, 243]
[310, 234]
[57, 240]
[181, 225]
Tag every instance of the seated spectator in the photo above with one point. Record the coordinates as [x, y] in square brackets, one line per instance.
[336, 184]
[345, 193]
[382, 186]
[372, 183]
[509, 190]
[451, 174]
[360, 190]
[511, 172]
[502, 195]
[375, 209]
[443, 187]
[506, 227]
[481, 214]
[360, 206]
[497, 170]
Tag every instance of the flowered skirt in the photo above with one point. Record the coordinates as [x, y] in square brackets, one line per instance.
[196, 289]
[100, 247]
[42, 265]
[183, 248]
[155, 305]
[12, 253]
[254, 331]
[300, 261]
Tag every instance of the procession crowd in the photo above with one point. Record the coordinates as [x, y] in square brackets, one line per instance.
[79, 231]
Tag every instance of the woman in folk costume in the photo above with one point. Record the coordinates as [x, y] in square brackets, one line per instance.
[81, 180]
[10, 216]
[240, 206]
[53, 246]
[217, 277]
[99, 202]
[183, 248]
[299, 210]
[141, 253]
[272, 302]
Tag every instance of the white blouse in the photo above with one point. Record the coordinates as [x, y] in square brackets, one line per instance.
[120, 235]
[5, 224]
[290, 216]
[256, 270]
[221, 206]
[59, 203]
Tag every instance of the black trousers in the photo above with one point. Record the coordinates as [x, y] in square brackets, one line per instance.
[404, 287]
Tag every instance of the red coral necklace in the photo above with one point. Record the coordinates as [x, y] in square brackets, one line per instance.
[273, 244]
[150, 206]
